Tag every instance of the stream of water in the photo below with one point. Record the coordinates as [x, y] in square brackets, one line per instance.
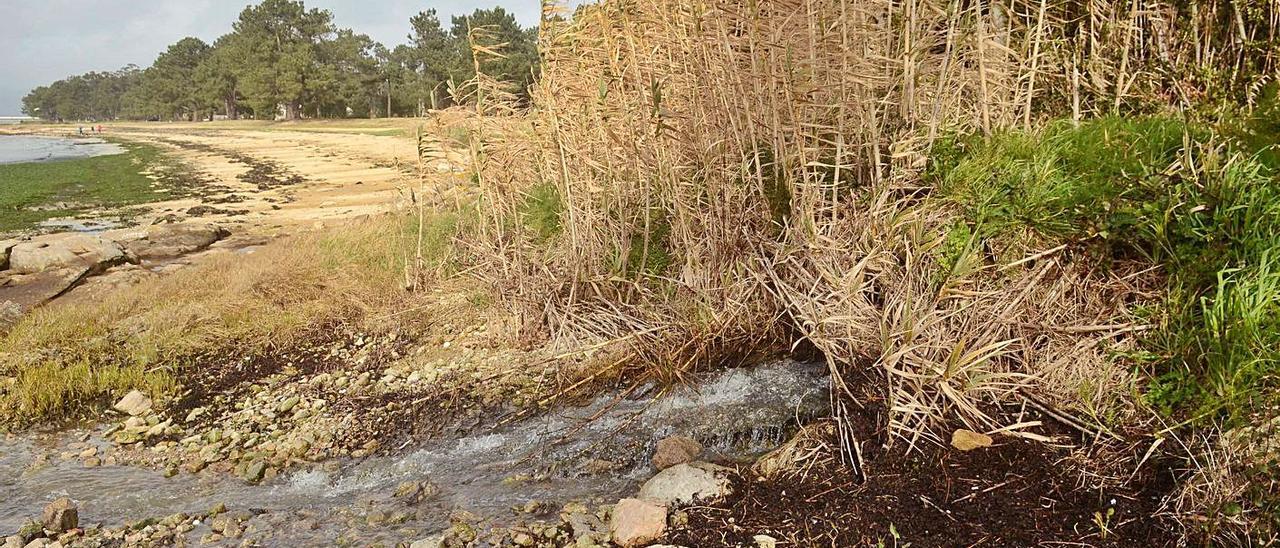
[596, 453]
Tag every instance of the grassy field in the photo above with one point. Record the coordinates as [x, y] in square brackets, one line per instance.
[38, 191]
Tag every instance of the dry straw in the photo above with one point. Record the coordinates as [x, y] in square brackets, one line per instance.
[729, 174]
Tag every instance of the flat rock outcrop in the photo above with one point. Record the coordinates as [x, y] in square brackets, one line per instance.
[65, 251]
[165, 241]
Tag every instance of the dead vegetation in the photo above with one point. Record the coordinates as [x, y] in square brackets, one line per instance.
[728, 178]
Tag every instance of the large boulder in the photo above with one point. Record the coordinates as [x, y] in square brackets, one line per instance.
[686, 483]
[165, 241]
[61, 515]
[675, 450]
[636, 522]
[65, 251]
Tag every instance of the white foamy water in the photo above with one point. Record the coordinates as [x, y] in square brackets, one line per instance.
[15, 149]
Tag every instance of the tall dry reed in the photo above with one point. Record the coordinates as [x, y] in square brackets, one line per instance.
[727, 176]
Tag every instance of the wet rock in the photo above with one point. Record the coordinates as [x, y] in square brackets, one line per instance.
[414, 492]
[254, 471]
[29, 532]
[968, 440]
[164, 241]
[637, 522]
[134, 403]
[60, 516]
[675, 450]
[60, 251]
[685, 483]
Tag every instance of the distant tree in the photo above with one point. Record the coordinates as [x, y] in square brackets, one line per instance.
[350, 77]
[276, 43]
[430, 60]
[282, 55]
[168, 87]
[518, 48]
[95, 95]
[217, 77]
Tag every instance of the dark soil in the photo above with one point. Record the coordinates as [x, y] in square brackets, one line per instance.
[1017, 493]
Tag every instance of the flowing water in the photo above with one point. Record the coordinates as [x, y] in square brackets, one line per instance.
[35, 148]
[595, 454]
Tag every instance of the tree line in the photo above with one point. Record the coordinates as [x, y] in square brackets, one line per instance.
[284, 60]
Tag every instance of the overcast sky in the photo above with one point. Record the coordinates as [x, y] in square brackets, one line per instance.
[46, 40]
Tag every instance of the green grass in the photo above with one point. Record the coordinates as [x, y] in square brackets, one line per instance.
[1157, 189]
[30, 189]
[541, 211]
[1202, 202]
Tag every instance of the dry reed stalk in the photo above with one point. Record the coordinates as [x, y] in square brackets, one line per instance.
[724, 168]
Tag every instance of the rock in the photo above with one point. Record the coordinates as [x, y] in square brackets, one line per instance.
[636, 522]
[685, 483]
[968, 440]
[765, 541]
[30, 531]
[254, 472]
[134, 403]
[413, 492]
[20, 292]
[92, 462]
[581, 522]
[13, 541]
[58, 251]
[10, 311]
[6, 246]
[39, 543]
[164, 241]
[675, 450]
[60, 515]
[433, 541]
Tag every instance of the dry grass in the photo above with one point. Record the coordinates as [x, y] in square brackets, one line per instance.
[731, 176]
[68, 358]
[730, 173]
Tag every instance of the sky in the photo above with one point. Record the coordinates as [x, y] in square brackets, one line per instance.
[42, 41]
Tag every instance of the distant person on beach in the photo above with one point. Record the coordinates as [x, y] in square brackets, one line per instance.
[81, 130]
